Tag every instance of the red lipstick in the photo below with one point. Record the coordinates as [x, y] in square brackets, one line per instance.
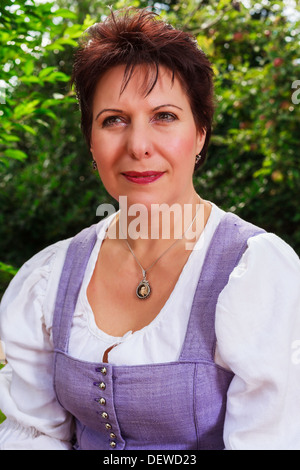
[143, 177]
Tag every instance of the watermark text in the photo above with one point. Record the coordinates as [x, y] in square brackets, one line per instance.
[161, 221]
[296, 94]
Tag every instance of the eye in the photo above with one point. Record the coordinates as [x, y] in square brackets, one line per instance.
[164, 116]
[111, 121]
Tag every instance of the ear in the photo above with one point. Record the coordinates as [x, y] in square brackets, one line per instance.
[91, 144]
[201, 136]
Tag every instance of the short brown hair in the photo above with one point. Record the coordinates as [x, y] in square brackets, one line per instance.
[134, 37]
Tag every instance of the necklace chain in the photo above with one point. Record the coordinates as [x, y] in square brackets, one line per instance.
[145, 283]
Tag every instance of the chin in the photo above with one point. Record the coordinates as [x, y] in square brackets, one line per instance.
[140, 198]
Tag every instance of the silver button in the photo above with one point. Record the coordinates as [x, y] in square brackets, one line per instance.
[102, 401]
[108, 426]
[102, 386]
[103, 371]
[112, 444]
[104, 415]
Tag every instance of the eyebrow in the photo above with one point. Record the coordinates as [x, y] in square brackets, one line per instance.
[108, 109]
[121, 111]
[166, 106]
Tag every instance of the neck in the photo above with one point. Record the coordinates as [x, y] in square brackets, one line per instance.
[156, 228]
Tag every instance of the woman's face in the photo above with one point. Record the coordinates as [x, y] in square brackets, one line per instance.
[145, 147]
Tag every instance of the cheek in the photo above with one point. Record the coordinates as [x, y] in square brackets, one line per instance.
[96, 143]
[102, 148]
[183, 146]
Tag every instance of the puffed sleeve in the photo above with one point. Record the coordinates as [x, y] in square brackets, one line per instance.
[258, 334]
[34, 418]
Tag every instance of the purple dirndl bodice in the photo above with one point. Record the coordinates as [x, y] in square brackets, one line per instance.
[178, 405]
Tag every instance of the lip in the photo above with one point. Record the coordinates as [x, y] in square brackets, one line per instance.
[142, 177]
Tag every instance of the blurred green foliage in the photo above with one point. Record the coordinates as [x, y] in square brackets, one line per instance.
[47, 188]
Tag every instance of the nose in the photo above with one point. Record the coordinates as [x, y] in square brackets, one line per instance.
[139, 144]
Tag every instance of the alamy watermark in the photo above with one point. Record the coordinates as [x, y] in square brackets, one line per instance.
[2, 95]
[295, 357]
[3, 87]
[160, 222]
[296, 93]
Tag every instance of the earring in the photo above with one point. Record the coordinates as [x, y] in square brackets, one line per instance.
[198, 158]
[94, 165]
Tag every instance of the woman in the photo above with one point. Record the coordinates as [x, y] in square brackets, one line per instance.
[173, 329]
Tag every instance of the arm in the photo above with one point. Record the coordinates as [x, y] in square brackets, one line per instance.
[35, 420]
[257, 325]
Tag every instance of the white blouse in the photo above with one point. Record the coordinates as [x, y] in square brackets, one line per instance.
[258, 339]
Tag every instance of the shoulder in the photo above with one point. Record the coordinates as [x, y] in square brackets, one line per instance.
[262, 248]
[38, 278]
[37, 269]
[268, 268]
[49, 260]
[270, 256]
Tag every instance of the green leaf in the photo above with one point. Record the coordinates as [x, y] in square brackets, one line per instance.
[28, 129]
[15, 154]
[46, 71]
[64, 13]
[10, 138]
[57, 77]
[30, 79]
[25, 109]
[8, 268]
[29, 67]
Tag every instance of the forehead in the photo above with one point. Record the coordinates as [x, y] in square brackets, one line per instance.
[111, 86]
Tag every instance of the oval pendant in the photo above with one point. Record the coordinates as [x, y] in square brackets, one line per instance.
[143, 290]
